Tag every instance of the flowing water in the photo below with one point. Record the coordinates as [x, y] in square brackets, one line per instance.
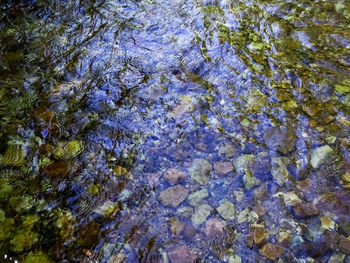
[174, 131]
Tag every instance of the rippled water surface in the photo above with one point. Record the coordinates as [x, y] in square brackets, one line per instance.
[174, 131]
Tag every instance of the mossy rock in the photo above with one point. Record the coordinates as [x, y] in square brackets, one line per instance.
[23, 240]
[5, 189]
[14, 156]
[38, 257]
[68, 151]
[6, 228]
[21, 203]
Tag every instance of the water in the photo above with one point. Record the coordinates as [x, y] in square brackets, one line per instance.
[174, 131]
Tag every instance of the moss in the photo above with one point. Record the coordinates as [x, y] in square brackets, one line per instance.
[24, 239]
[37, 257]
[21, 203]
[6, 228]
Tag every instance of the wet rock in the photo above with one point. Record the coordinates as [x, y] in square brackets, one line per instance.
[336, 258]
[306, 210]
[108, 208]
[260, 210]
[214, 227]
[247, 216]
[185, 212]
[257, 235]
[5, 189]
[344, 225]
[320, 155]
[284, 238]
[261, 164]
[35, 257]
[344, 245]
[66, 151]
[7, 227]
[196, 198]
[335, 202]
[223, 168]
[182, 254]
[290, 198]
[243, 162]
[173, 196]
[280, 139]
[24, 239]
[201, 214]
[14, 156]
[176, 226]
[153, 179]
[249, 180]
[279, 169]
[227, 150]
[173, 175]
[227, 210]
[200, 171]
[21, 203]
[327, 223]
[271, 251]
[190, 231]
[122, 171]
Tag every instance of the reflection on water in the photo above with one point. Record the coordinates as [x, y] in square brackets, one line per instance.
[174, 131]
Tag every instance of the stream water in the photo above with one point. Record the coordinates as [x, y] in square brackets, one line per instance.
[174, 131]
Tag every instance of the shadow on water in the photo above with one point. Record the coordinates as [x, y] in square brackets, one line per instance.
[181, 131]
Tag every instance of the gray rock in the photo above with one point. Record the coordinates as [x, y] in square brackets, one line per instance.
[201, 214]
[279, 169]
[196, 198]
[243, 162]
[249, 180]
[173, 196]
[227, 210]
[200, 171]
[320, 155]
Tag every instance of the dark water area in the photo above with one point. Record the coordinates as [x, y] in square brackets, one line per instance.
[178, 131]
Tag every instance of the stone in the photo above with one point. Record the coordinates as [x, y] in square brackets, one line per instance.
[249, 180]
[327, 223]
[185, 212]
[189, 231]
[176, 226]
[335, 202]
[290, 198]
[200, 171]
[306, 210]
[243, 162]
[107, 209]
[284, 238]
[173, 196]
[181, 254]
[261, 164]
[214, 227]
[173, 175]
[279, 169]
[201, 214]
[320, 155]
[66, 151]
[344, 244]
[280, 139]
[336, 258]
[257, 235]
[196, 198]
[223, 168]
[271, 251]
[227, 149]
[35, 257]
[227, 210]
[153, 179]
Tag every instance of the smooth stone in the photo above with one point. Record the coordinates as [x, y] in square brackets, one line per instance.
[196, 198]
[201, 214]
[181, 254]
[227, 210]
[279, 169]
[173, 175]
[173, 196]
[214, 227]
[320, 155]
[200, 171]
[223, 168]
[271, 251]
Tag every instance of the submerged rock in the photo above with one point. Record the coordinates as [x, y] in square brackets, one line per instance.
[196, 198]
[107, 209]
[200, 171]
[38, 257]
[320, 155]
[223, 168]
[257, 235]
[173, 196]
[249, 180]
[201, 214]
[182, 254]
[305, 210]
[279, 169]
[214, 227]
[243, 162]
[280, 139]
[14, 156]
[66, 151]
[271, 251]
[227, 210]
[173, 175]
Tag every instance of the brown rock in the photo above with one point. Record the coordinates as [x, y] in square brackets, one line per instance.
[223, 168]
[306, 210]
[173, 196]
[271, 251]
[335, 202]
[181, 254]
[284, 238]
[344, 245]
[214, 227]
[172, 175]
[257, 235]
[176, 226]
[280, 139]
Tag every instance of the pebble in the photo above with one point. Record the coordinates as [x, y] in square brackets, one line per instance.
[243, 162]
[227, 210]
[173, 196]
[306, 210]
[214, 227]
[201, 214]
[173, 175]
[271, 251]
[223, 168]
[249, 180]
[279, 169]
[200, 171]
[176, 226]
[196, 198]
[320, 155]
[280, 139]
[181, 254]
[257, 235]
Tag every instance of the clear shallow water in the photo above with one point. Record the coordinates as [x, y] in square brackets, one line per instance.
[142, 131]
